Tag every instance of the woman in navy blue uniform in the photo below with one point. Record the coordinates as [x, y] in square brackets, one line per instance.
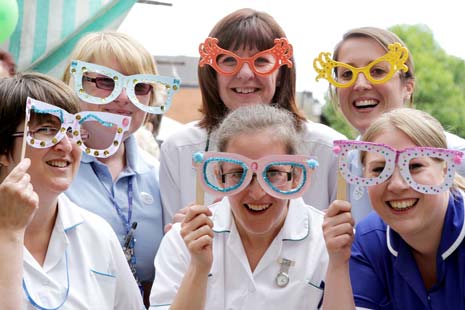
[410, 253]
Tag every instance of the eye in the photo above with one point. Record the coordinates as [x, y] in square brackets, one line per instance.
[378, 72]
[375, 170]
[226, 60]
[344, 74]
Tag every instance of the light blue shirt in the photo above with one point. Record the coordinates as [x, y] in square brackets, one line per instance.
[358, 195]
[91, 190]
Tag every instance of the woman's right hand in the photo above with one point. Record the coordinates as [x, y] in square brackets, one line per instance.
[18, 201]
[338, 232]
[197, 233]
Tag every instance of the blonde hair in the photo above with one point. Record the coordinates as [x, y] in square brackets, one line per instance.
[130, 54]
[420, 127]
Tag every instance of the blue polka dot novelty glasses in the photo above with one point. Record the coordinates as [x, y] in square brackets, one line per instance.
[101, 85]
[427, 170]
[379, 71]
[228, 63]
[97, 133]
[281, 176]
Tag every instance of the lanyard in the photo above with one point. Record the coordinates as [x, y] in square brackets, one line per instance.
[125, 220]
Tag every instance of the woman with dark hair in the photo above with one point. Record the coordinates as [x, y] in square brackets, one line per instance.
[246, 60]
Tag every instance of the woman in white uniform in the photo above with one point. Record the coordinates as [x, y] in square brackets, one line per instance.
[55, 255]
[261, 246]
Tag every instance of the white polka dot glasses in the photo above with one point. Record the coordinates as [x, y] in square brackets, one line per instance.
[281, 176]
[228, 63]
[426, 169]
[101, 85]
[379, 71]
[97, 133]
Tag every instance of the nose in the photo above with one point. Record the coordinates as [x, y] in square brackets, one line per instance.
[361, 82]
[255, 190]
[245, 72]
[397, 182]
[65, 144]
[122, 98]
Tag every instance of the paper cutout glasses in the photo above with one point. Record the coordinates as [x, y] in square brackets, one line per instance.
[416, 165]
[101, 85]
[97, 133]
[228, 63]
[379, 71]
[281, 176]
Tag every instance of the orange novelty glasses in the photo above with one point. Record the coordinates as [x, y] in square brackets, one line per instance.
[228, 63]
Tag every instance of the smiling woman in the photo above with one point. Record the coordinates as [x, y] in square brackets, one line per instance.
[407, 255]
[259, 235]
[49, 239]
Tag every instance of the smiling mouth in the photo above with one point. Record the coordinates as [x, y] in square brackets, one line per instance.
[120, 112]
[366, 104]
[402, 205]
[257, 207]
[245, 90]
[58, 163]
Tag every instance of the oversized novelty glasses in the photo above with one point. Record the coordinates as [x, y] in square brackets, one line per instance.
[97, 133]
[101, 85]
[281, 176]
[426, 169]
[263, 63]
[379, 71]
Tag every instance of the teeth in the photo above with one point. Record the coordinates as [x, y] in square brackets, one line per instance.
[260, 207]
[58, 163]
[244, 90]
[365, 103]
[402, 204]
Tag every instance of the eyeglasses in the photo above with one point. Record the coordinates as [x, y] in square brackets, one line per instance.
[281, 176]
[228, 63]
[379, 71]
[101, 85]
[97, 133]
[427, 170]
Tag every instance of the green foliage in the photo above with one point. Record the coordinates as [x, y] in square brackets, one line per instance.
[439, 79]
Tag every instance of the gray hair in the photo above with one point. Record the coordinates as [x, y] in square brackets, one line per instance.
[259, 117]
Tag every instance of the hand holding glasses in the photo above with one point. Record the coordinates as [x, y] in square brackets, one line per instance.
[228, 63]
[281, 176]
[379, 71]
[101, 85]
[427, 170]
[97, 133]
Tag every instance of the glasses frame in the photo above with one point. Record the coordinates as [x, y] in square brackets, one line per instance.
[399, 158]
[79, 68]
[209, 51]
[396, 56]
[74, 122]
[254, 167]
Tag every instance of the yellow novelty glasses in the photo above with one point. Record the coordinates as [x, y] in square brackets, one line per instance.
[378, 71]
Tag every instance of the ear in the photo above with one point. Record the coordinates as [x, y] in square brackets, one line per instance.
[409, 89]
[5, 160]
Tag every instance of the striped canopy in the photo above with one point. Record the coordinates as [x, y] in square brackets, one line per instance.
[48, 30]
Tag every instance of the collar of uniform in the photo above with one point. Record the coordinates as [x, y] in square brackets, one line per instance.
[296, 226]
[453, 231]
[134, 157]
[67, 219]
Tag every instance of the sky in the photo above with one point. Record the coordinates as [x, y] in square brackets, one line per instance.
[311, 26]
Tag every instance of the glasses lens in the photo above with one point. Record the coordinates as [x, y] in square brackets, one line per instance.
[99, 86]
[285, 177]
[380, 70]
[223, 175]
[97, 133]
[265, 63]
[226, 63]
[428, 170]
[45, 124]
[142, 89]
[343, 75]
